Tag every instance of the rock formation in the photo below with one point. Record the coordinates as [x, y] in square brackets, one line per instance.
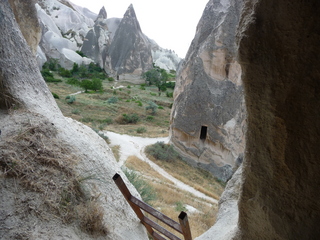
[164, 58]
[63, 31]
[30, 27]
[279, 192]
[130, 51]
[97, 40]
[52, 146]
[208, 114]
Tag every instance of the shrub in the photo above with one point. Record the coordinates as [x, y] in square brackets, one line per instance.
[112, 100]
[55, 95]
[170, 85]
[110, 79]
[146, 191]
[162, 151]
[81, 53]
[73, 81]
[153, 94]
[75, 111]
[51, 64]
[51, 79]
[75, 68]
[153, 107]
[70, 99]
[128, 86]
[180, 207]
[150, 118]
[160, 107]
[107, 121]
[139, 103]
[131, 118]
[128, 118]
[48, 76]
[169, 94]
[141, 130]
[86, 119]
[65, 73]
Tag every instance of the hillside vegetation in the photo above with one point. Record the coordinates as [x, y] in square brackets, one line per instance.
[123, 107]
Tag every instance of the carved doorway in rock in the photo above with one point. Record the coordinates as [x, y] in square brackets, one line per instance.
[203, 133]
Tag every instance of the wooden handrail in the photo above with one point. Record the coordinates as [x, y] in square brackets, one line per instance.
[136, 204]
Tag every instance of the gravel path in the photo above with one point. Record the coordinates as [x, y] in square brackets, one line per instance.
[134, 146]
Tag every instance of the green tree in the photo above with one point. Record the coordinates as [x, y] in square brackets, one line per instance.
[156, 76]
[75, 68]
[96, 84]
[86, 84]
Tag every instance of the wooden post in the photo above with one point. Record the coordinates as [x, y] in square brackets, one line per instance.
[127, 195]
[183, 219]
[137, 205]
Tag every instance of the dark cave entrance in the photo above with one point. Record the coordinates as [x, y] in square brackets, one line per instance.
[203, 133]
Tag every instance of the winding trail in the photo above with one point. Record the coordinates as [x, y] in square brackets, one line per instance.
[130, 145]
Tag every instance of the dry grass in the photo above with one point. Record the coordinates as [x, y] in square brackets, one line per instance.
[144, 168]
[170, 199]
[116, 152]
[197, 178]
[44, 165]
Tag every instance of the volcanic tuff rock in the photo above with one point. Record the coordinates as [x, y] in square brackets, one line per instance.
[130, 51]
[25, 100]
[208, 114]
[164, 58]
[30, 28]
[279, 193]
[63, 31]
[97, 40]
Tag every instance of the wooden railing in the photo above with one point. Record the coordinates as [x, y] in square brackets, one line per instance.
[150, 225]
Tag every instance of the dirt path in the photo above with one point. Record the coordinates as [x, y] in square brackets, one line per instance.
[130, 145]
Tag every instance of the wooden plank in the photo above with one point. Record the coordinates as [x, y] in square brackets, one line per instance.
[127, 195]
[171, 223]
[162, 230]
[183, 219]
[157, 236]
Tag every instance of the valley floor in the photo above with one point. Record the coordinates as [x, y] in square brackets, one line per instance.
[173, 195]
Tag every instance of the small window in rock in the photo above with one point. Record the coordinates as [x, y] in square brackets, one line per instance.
[203, 133]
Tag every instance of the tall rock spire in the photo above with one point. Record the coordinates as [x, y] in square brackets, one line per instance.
[130, 50]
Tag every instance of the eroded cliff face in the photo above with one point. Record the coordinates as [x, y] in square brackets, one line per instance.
[30, 28]
[279, 191]
[97, 40]
[130, 51]
[41, 150]
[63, 30]
[208, 114]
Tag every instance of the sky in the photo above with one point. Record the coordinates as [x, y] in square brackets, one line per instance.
[171, 23]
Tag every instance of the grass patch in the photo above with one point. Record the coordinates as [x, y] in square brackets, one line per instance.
[145, 190]
[116, 152]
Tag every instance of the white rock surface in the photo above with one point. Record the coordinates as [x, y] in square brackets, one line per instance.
[63, 31]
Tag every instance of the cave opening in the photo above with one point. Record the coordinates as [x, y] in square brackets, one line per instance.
[203, 133]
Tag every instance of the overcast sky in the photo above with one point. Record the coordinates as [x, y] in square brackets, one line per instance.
[171, 23]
